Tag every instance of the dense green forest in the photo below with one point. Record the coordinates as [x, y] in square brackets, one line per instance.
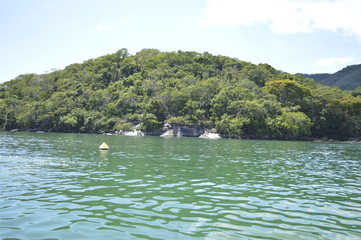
[348, 78]
[121, 91]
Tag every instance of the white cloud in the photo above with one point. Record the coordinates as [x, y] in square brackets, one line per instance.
[287, 16]
[333, 62]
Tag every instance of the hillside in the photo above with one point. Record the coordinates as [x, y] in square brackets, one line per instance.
[316, 76]
[348, 78]
[144, 91]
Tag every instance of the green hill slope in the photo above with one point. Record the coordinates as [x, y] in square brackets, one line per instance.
[348, 78]
[316, 76]
[144, 91]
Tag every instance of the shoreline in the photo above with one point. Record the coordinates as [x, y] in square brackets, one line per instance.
[138, 133]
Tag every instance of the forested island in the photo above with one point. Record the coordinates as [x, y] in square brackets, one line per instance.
[236, 99]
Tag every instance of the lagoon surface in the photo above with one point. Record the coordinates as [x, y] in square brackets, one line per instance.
[60, 186]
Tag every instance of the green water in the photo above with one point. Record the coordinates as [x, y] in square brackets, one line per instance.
[60, 186]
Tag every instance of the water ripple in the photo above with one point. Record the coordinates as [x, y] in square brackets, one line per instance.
[151, 188]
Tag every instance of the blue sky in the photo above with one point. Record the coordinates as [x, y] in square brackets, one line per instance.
[309, 36]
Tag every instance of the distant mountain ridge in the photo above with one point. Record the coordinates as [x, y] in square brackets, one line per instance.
[316, 76]
[348, 78]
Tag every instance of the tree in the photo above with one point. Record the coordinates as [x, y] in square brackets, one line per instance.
[259, 74]
[157, 108]
[289, 124]
[9, 109]
[231, 126]
[347, 113]
[150, 122]
[288, 92]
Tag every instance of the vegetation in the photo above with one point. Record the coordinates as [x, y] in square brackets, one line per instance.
[122, 92]
[348, 78]
[318, 77]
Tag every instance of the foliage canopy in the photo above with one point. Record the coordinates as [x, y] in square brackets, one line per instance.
[121, 92]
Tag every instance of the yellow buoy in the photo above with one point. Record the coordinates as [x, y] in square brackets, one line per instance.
[104, 146]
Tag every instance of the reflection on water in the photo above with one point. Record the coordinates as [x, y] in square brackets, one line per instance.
[60, 186]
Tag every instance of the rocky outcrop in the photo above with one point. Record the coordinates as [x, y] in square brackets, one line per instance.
[173, 130]
[177, 130]
[128, 133]
[168, 133]
[210, 135]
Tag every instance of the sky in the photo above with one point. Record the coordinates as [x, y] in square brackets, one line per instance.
[295, 36]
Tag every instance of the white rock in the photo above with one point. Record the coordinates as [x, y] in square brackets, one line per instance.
[168, 133]
[133, 133]
[209, 135]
